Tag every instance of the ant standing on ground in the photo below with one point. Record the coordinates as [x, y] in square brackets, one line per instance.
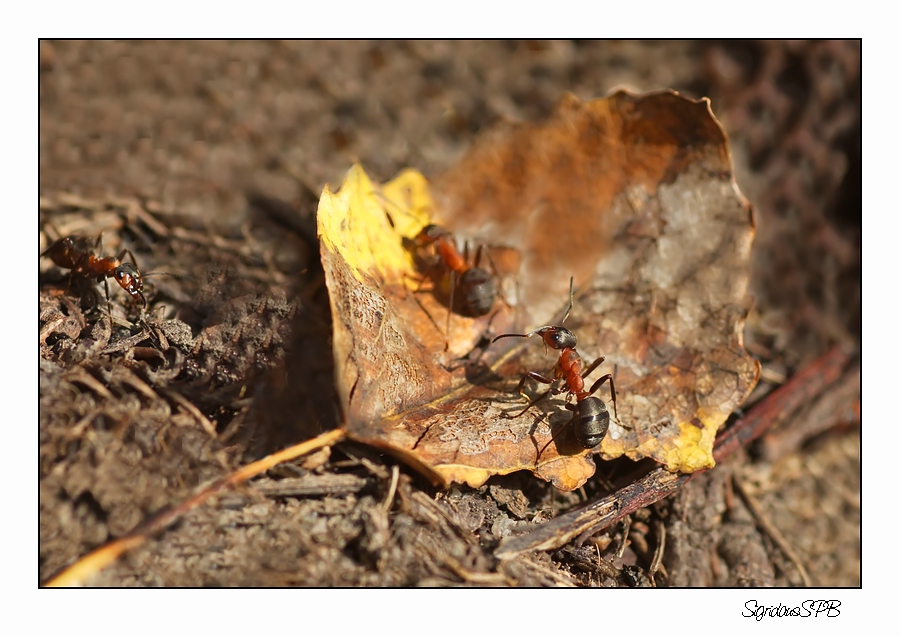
[590, 415]
[77, 254]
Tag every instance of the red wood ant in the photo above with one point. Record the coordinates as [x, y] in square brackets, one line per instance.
[472, 289]
[77, 254]
[477, 287]
[590, 415]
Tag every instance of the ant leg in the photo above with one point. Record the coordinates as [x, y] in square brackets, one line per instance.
[592, 367]
[52, 226]
[429, 275]
[419, 281]
[541, 379]
[538, 377]
[494, 270]
[449, 311]
[599, 383]
[612, 390]
[425, 311]
[98, 249]
[125, 251]
[108, 305]
[530, 405]
[477, 261]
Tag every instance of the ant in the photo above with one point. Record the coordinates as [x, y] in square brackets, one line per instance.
[590, 415]
[77, 254]
[478, 287]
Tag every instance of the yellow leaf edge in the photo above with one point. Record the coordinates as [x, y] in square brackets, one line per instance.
[366, 223]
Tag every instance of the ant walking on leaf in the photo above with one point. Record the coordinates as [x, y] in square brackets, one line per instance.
[469, 288]
[590, 415]
[477, 288]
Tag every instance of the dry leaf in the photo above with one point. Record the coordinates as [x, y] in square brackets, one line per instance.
[631, 195]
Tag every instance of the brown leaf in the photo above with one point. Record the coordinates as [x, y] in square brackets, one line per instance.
[631, 195]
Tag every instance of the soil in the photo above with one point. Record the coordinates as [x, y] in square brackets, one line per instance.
[206, 160]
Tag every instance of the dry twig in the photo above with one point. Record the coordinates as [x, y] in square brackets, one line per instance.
[78, 573]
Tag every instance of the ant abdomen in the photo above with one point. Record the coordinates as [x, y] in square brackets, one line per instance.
[479, 290]
[67, 252]
[591, 421]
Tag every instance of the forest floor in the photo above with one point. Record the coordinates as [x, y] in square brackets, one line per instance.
[206, 160]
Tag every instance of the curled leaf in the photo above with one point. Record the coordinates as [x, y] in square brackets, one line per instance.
[634, 197]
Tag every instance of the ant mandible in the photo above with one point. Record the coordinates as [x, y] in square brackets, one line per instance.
[77, 254]
[590, 415]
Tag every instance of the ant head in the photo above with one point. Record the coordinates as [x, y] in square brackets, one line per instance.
[429, 234]
[129, 278]
[557, 337]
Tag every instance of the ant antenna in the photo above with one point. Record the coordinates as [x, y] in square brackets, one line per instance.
[183, 277]
[555, 336]
[571, 298]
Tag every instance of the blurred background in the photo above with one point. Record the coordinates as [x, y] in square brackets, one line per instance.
[197, 125]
